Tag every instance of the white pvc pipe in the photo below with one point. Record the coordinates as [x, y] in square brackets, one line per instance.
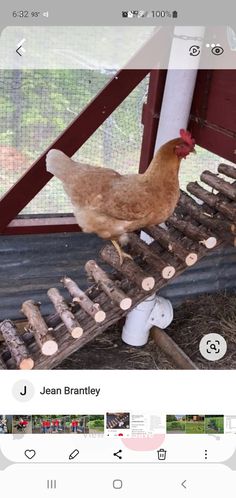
[176, 104]
[175, 110]
[136, 329]
[179, 88]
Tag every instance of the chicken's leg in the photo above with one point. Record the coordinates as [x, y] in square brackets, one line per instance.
[122, 254]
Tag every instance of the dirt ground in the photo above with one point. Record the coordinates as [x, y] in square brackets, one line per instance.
[192, 320]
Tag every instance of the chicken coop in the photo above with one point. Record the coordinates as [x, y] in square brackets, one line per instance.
[64, 296]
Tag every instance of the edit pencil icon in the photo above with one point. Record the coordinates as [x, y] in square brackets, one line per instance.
[74, 454]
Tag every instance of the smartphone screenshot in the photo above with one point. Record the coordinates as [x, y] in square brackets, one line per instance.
[117, 249]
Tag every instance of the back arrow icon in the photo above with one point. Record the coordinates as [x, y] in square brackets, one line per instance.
[20, 47]
[18, 50]
[184, 484]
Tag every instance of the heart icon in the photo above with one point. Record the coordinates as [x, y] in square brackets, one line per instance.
[30, 454]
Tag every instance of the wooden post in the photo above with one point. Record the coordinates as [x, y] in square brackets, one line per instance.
[172, 245]
[228, 209]
[171, 349]
[42, 334]
[219, 184]
[16, 346]
[138, 245]
[227, 170]
[108, 286]
[65, 313]
[92, 309]
[193, 232]
[128, 268]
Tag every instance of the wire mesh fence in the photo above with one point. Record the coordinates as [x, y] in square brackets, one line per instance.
[37, 105]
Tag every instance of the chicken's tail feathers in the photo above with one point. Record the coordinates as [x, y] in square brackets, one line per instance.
[57, 163]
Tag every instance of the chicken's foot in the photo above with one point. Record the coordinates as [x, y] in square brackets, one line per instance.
[122, 254]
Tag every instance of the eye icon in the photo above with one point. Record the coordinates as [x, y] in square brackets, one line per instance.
[218, 50]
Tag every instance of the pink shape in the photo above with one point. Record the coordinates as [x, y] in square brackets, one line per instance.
[144, 443]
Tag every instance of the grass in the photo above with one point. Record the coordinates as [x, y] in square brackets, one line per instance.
[186, 427]
[195, 427]
[209, 424]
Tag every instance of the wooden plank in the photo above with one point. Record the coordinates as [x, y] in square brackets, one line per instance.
[213, 112]
[214, 98]
[150, 117]
[47, 224]
[221, 108]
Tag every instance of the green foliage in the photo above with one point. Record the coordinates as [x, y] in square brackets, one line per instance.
[214, 424]
[92, 424]
[175, 426]
[171, 418]
[6, 137]
[36, 105]
[195, 427]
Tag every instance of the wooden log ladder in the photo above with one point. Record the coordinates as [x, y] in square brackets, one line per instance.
[196, 227]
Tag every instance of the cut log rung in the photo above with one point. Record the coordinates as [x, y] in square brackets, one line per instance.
[225, 207]
[226, 188]
[108, 286]
[92, 309]
[16, 345]
[42, 333]
[63, 310]
[191, 232]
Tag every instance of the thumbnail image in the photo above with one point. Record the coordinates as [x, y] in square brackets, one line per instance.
[5, 424]
[48, 424]
[75, 424]
[195, 424]
[147, 424]
[118, 420]
[22, 424]
[175, 424]
[84, 424]
[214, 424]
[230, 424]
[68, 424]
[96, 424]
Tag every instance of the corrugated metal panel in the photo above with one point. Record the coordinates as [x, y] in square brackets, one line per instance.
[29, 265]
[214, 273]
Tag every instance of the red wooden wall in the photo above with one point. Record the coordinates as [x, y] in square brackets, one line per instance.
[213, 113]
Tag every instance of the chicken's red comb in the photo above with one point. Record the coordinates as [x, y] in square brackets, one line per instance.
[187, 137]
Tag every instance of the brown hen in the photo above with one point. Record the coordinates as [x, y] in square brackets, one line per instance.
[112, 205]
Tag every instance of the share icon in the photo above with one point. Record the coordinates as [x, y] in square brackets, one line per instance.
[118, 454]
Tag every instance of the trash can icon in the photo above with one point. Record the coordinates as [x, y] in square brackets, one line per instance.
[161, 454]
